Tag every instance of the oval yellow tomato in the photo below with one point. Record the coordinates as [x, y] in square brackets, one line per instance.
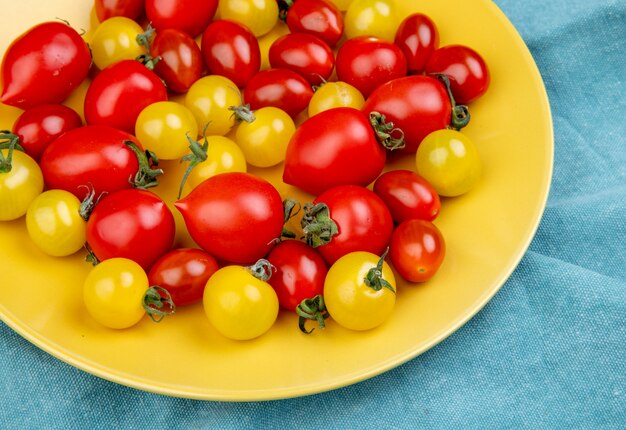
[115, 39]
[209, 100]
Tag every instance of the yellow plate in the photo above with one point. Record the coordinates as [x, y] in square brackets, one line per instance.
[487, 232]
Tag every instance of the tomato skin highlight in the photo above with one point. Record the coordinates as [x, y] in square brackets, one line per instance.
[335, 147]
[281, 88]
[418, 37]
[109, 8]
[44, 65]
[417, 250]
[234, 216]
[180, 63]
[319, 18]
[190, 16]
[407, 195]
[305, 54]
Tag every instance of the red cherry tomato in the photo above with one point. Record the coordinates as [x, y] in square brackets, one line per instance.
[133, 224]
[190, 16]
[417, 37]
[305, 54]
[180, 63]
[363, 222]
[44, 65]
[106, 9]
[466, 69]
[320, 18]
[184, 273]
[368, 62]
[335, 147]
[234, 216]
[231, 50]
[120, 92]
[281, 88]
[40, 125]
[417, 250]
[407, 195]
[418, 105]
[300, 273]
[93, 155]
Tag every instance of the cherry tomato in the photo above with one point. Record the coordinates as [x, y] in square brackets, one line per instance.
[190, 16]
[260, 16]
[183, 272]
[163, 127]
[44, 65]
[320, 18]
[54, 223]
[281, 88]
[417, 105]
[376, 18]
[106, 9]
[368, 62]
[90, 156]
[264, 140]
[120, 92]
[115, 40]
[133, 224]
[449, 160]
[239, 305]
[235, 217]
[335, 147]
[353, 300]
[417, 250]
[305, 54]
[209, 99]
[40, 125]
[407, 195]
[363, 222]
[418, 37]
[300, 273]
[466, 69]
[20, 182]
[335, 94]
[180, 63]
[231, 50]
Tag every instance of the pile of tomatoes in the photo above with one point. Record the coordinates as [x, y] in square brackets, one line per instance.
[348, 86]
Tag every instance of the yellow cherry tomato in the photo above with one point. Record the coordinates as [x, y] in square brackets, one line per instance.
[163, 128]
[448, 160]
[54, 223]
[260, 16]
[350, 301]
[238, 304]
[115, 39]
[371, 18]
[335, 94]
[264, 141]
[18, 186]
[208, 99]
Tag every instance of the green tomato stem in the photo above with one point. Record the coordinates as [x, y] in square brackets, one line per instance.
[198, 155]
[11, 142]
[374, 278]
[146, 175]
[289, 205]
[243, 113]
[317, 225]
[385, 132]
[312, 309]
[145, 39]
[460, 113]
[262, 270]
[158, 303]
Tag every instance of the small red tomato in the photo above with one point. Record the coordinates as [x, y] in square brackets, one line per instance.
[466, 69]
[190, 16]
[300, 273]
[120, 92]
[44, 65]
[184, 273]
[304, 54]
[368, 62]
[180, 63]
[417, 37]
[320, 18]
[231, 50]
[407, 195]
[281, 88]
[133, 224]
[38, 126]
[417, 250]
[106, 9]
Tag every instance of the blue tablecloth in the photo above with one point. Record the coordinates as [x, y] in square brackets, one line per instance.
[549, 351]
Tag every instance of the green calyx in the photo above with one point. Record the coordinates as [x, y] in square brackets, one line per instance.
[289, 206]
[89, 202]
[10, 142]
[243, 113]
[262, 270]
[158, 303]
[283, 8]
[317, 225]
[374, 277]
[145, 39]
[390, 137]
[146, 174]
[91, 256]
[312, 309]
[460, 113]
[197, 155]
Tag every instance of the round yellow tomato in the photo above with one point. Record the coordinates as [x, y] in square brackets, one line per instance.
[371, 18]
[115, 39]
[335, 94]
[54, 223]
[260, 16]
[209, 100]
[21, 181]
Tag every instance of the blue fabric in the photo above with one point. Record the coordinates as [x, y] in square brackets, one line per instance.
[549, 351]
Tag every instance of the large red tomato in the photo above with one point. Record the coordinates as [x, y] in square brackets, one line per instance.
[180, 60]
[44, 65]
[281, 88]
[234, 216]
[190, 16]
[335, 147]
